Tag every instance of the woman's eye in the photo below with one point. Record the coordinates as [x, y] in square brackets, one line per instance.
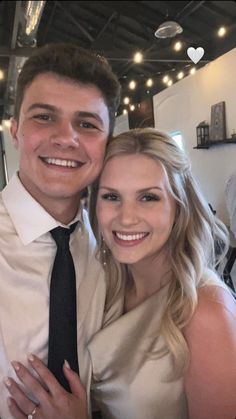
[110, 197]
[150, 197]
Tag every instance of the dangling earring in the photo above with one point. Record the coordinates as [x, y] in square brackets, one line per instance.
[104, 252]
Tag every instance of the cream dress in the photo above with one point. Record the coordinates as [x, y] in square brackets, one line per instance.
[129, 382]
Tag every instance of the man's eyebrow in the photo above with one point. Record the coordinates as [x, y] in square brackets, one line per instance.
[42, 106]
[93, 115]
[52, 108]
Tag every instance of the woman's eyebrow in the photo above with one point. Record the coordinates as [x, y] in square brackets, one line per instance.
[150, 187]
[106, 187]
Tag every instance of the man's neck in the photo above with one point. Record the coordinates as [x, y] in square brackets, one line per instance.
[62, 210]
[63, 213]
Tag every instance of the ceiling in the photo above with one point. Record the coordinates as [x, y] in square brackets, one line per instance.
[116, 30]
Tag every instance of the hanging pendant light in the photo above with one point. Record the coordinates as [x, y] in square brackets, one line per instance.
[168, 29]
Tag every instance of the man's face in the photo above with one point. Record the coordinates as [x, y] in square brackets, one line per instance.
[61, 137]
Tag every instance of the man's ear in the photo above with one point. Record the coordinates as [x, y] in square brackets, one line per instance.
[13, 130]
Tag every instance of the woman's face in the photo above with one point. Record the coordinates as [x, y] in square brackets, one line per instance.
[135, 210]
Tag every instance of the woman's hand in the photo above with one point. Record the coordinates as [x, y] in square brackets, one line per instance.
[54, 401]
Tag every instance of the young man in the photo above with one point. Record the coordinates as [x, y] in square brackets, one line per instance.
[65, 110]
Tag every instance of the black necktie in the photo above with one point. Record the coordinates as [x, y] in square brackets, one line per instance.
[62, 313]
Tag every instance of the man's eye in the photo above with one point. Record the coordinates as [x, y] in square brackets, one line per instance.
[43, 117]
[150, 197]
[88, 125]
[110, 197]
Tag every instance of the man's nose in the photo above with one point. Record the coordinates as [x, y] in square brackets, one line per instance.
[65, 135]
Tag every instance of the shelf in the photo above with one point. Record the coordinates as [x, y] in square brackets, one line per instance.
[213, 143]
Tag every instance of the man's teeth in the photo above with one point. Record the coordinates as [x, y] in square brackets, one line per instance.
[59, 162]
[130, 237]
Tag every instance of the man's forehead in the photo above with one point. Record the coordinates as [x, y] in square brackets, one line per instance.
[48, 88]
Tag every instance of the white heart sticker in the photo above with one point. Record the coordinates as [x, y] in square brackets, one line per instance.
[195, 54]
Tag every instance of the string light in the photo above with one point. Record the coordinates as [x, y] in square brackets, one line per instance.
[132, 85]
[193, 70]
[149, 83]
[178, 46]
[138, 57]
[180, 75]
[165, 79]
[7, 123]
[222, 31]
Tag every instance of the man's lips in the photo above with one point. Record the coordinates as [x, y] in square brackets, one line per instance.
[62, 162]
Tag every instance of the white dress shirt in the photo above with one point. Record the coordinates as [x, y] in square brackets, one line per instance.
[230, 195]
[27, 253]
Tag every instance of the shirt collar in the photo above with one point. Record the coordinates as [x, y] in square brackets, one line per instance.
[29, 218]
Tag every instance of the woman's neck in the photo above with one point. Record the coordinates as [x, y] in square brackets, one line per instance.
[145, 279]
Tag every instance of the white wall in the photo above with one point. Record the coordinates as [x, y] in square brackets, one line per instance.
[121, 124]
[185, 104]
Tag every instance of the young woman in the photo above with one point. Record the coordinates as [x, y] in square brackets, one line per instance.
[172, 352]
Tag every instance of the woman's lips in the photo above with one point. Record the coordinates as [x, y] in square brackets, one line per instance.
[129, 239]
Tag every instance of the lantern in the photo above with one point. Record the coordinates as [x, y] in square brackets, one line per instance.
[202, 134]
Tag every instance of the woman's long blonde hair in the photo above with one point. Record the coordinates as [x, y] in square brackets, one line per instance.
[194, 239]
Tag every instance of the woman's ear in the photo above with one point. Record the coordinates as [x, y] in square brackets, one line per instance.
[13, 130]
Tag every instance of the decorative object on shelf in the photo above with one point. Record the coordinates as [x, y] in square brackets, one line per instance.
[218, 123]
[202, 134]
[233, 135]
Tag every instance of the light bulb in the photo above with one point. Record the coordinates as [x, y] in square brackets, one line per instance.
[149, 82]
[138, 57]
[222, 31]
[132, 85]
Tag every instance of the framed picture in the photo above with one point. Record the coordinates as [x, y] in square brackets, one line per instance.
[218, 123]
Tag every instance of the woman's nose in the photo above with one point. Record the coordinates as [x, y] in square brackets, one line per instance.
[128, 214]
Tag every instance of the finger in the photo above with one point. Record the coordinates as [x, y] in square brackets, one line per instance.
[75, 383]
[23, 402]
[30, 382]
[46, 376]
[14, 409]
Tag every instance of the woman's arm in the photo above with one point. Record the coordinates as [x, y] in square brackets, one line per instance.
[210, 382]
[54, 401]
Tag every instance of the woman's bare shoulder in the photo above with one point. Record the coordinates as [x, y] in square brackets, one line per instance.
[215, 297]
[214, 318]
[211, 338]
[215, 300]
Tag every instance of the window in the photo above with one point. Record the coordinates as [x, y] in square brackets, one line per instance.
[177, 136]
